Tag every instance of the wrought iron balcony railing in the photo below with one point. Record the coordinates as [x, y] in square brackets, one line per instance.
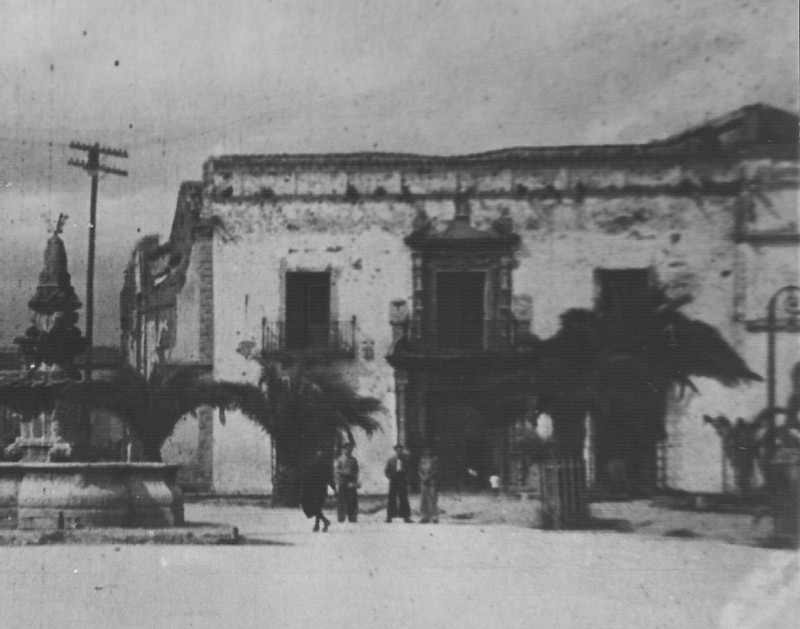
[337, 338]
[491, 335]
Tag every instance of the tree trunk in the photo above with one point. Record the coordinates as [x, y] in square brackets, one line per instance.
[286, 481]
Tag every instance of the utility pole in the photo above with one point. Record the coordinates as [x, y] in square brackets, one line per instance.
[93, 168]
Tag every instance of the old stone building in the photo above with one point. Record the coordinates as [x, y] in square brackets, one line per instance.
[418, 276]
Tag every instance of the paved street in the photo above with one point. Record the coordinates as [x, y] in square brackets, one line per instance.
[375, 575]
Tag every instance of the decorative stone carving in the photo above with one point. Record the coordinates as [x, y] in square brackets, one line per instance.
[368, 349]
[399, 316]
[51, 485]
[49, 346]
[522, 307]
[53, 341]
[398, 312]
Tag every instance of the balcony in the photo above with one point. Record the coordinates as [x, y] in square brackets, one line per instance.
[497, 345]
[336, 339]
[489, 335]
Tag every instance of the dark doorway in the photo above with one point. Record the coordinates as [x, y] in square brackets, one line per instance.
[626, 429]
[460, 309]
[617, 288]
[465, 444]
[308, 309]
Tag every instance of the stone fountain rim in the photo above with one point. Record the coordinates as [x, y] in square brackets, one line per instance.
[97, 465]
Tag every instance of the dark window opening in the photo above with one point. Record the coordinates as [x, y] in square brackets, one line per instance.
[460, 309]
[618, 288]
[308, 309]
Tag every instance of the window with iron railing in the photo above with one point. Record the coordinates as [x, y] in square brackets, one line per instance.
[307, 325]
[492, 335]
[335, 338]
[308, 309]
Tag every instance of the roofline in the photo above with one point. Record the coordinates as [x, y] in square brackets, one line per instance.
[662, 149]
[678, 146]
[720, 122]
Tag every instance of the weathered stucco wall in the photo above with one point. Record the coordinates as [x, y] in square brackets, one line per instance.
[370, 270]
[181, 448]
[680, 219]
[242, 456]
[187, 333]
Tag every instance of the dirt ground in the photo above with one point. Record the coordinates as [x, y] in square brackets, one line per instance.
[675, 518]
[670, 518]
[661, 517]
[482, 566]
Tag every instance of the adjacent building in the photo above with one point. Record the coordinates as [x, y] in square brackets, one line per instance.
[419, 276]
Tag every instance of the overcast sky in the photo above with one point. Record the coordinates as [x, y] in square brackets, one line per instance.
[175, 82]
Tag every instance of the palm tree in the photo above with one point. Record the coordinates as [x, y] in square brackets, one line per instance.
[619, 365]
[310, 408]
[152, 407]
[743, 444]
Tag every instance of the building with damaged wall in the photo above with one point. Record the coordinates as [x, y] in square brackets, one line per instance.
[416, 276]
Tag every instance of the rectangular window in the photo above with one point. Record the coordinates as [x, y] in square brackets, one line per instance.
[460, 309]
[616, 288]
[308, 309]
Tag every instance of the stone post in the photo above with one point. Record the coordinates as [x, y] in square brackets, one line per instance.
[400, 385]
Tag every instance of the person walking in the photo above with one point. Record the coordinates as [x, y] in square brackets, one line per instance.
[429, 496]
[397, 473]
[314, 490]
[347, 485]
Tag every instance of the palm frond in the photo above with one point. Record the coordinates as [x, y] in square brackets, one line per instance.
[343, 405]
[127, 395]
[151, 409]
[619, 362]
[700, 350]
[308, 404]
[180, 399]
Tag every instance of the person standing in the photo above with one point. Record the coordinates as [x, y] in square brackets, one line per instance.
[428, 472]
[316, 479]
[347, 485]
[397, 473]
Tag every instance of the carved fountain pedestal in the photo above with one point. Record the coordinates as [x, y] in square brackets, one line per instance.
[46, 490]
[52, 483]
[89, 495]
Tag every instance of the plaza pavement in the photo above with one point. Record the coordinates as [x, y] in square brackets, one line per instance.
[375, 575]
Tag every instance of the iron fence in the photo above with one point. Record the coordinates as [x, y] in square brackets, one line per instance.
[490, 335]
[562, 491]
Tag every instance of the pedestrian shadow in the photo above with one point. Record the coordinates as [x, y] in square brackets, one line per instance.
[616, 525]
[243, 540]
[681, 533]
[462, 516]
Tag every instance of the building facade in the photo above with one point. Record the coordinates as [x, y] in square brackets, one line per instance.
[419, 277]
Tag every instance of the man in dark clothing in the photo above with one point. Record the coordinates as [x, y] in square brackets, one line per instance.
[316, 479]
[347, 485]
[397, 473]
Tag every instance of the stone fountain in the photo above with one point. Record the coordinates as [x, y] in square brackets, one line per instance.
[51, 481]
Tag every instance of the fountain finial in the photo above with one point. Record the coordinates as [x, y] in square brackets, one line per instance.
[53, 341]
[55, 291]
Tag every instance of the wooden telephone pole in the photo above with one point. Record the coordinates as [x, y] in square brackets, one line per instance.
[93, 167]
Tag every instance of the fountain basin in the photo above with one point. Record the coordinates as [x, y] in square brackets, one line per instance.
[89, 495]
